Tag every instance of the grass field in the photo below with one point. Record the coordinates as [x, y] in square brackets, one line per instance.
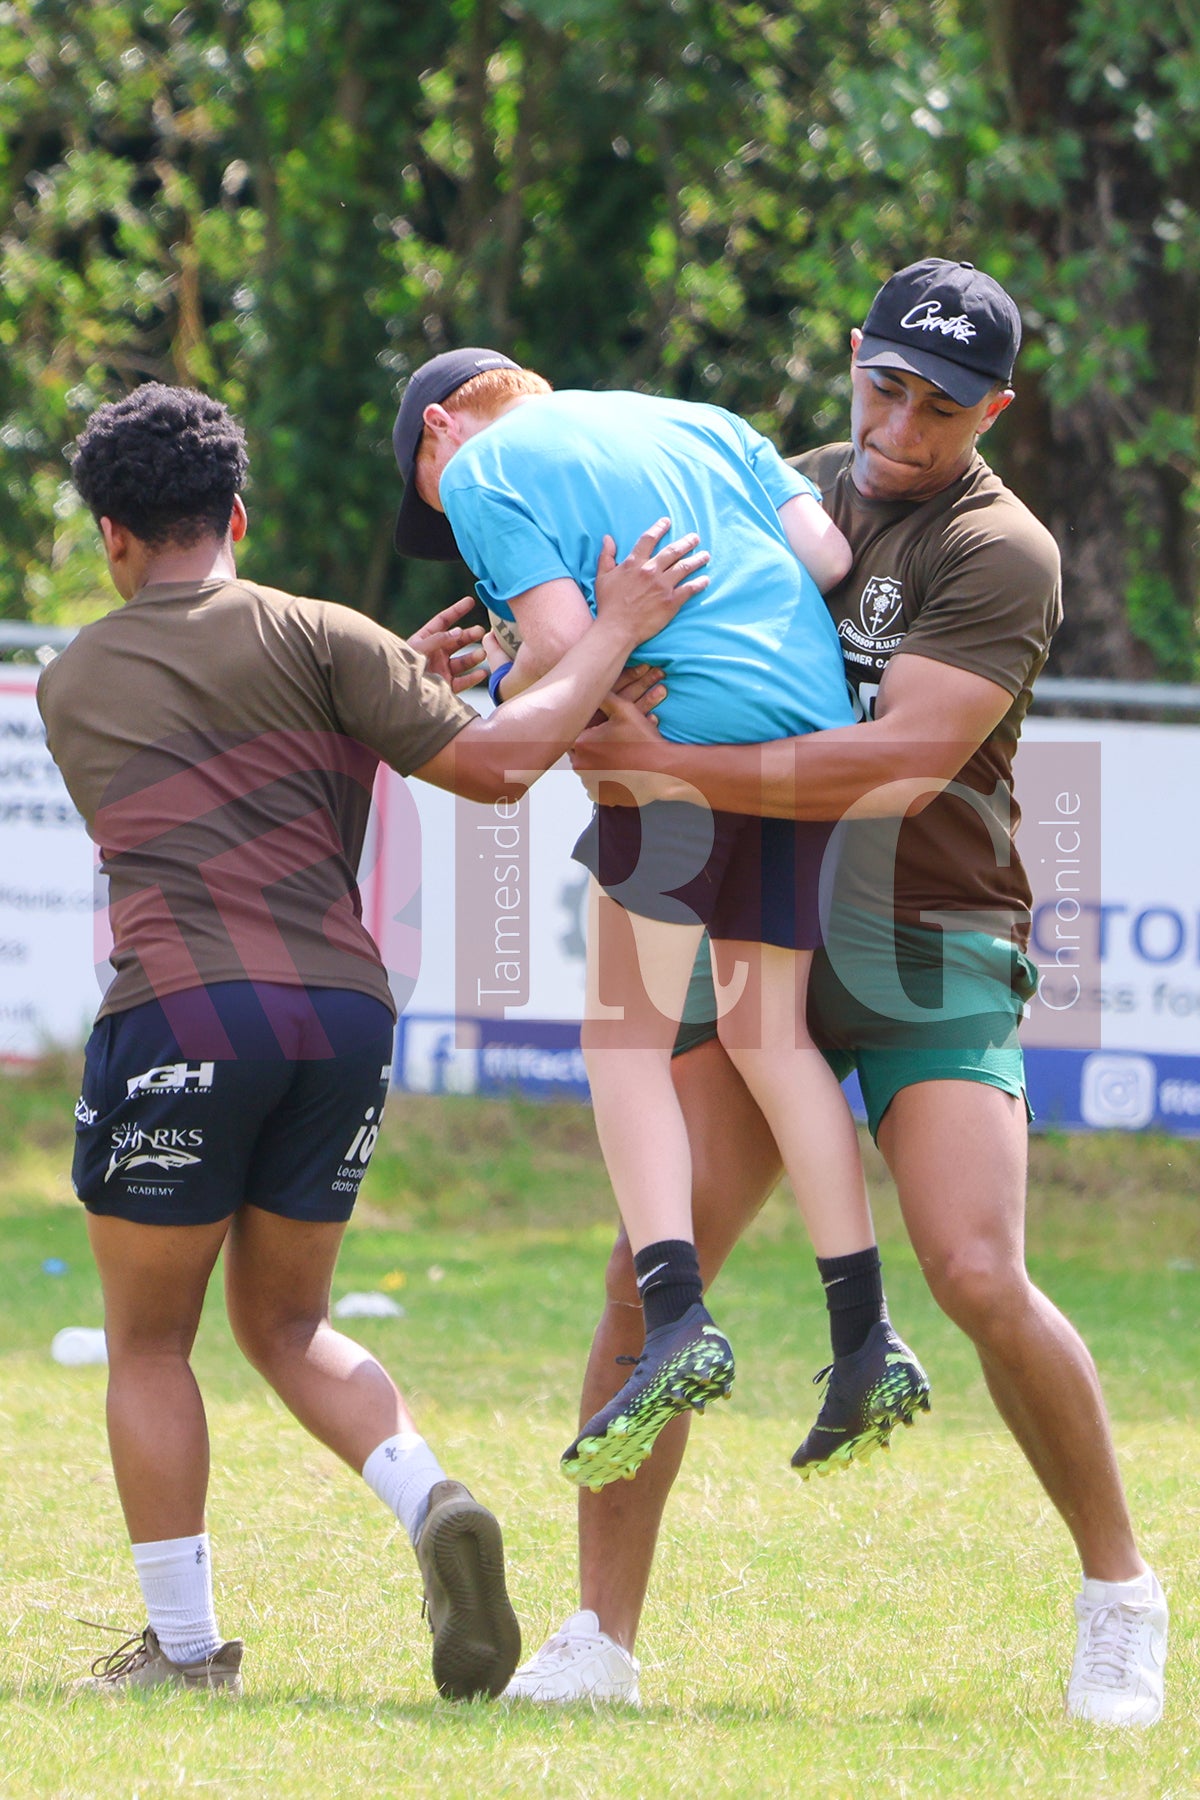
[900, 1631]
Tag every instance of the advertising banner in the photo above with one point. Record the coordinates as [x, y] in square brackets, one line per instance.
[480, 912]
[1112, 1038]
[1126, 957]
[47, 987]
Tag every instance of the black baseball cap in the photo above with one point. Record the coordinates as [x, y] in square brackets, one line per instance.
[945, 321]
[420, 529]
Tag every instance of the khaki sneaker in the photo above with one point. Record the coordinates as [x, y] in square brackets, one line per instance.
[140, 1663]
[476, 1638]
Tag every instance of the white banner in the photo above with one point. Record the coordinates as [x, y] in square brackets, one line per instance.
[1138, 931]
[47, 982]
[479, 913]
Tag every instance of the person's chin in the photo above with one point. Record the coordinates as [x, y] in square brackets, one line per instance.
[884, 479]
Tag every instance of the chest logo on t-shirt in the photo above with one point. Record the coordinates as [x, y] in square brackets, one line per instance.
[878, 610]
[881, 602]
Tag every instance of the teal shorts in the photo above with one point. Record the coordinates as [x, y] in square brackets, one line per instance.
[901, 1005]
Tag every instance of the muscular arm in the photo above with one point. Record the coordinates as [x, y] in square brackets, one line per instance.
[554, 615]
[498, 757]
[930, 719]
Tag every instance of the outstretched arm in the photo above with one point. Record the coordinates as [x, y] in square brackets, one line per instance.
[500, 756]
[930, 719]
[554, 615]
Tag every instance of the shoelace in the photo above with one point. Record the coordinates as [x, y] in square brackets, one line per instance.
[129, 1655]
[1111, 1629]
[561, 1649]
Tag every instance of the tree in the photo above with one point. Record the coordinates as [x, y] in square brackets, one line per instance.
[1098, 182]
[295, 204]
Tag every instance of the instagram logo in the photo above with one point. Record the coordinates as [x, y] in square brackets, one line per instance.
[1118, 1092]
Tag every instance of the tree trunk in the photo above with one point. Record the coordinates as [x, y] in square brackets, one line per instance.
[1095, 464]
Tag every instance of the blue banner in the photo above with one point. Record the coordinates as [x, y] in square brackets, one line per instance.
[1072, 1090]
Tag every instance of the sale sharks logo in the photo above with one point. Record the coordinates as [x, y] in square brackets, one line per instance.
[167, 1149]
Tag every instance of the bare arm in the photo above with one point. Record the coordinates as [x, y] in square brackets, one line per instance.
[930, 719]
[500, 756]
[550, 618]
[816, 540]
[554, 615]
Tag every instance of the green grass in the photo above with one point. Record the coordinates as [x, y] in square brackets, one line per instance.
[903, 1630]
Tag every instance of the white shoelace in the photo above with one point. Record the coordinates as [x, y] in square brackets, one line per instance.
[1107, 1658]
[561, 1650]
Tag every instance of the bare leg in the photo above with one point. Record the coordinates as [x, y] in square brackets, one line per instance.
[638, 972]
[735, 1166]
[957, 1150]
[154, 1279]
[278, 1274]
[767, 1041]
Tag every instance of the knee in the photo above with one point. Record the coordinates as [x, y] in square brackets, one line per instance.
[980, 1285]
[138, 1349]
[271, 1341]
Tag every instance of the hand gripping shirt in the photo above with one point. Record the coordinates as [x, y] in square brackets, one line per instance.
[221, 742]
[969, 578]
[530, 498]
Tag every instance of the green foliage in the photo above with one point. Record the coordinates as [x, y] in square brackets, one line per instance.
[293, 205]
[901, 1631]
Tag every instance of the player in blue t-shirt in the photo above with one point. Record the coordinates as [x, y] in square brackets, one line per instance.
[539, 492]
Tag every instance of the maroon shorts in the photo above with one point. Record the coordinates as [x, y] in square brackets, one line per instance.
[754, 880]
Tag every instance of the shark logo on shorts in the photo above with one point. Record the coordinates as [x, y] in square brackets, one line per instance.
[133, 1148]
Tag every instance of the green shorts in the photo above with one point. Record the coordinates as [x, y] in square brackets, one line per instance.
[901, 1005]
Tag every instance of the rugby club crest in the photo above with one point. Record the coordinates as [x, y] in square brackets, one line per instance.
[880, 604]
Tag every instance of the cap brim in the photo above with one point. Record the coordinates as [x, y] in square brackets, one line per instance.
[422, 531]
[965, 386]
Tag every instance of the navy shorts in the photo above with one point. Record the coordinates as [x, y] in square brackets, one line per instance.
[753, 880]
[283, 1114]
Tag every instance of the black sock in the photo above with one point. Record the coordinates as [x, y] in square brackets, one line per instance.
[668, 1278]
[854, 1296]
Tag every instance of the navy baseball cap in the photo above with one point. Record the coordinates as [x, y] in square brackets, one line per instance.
[420, 529]
[947, 322]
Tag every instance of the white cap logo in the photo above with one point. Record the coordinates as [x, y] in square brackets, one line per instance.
[928, 317]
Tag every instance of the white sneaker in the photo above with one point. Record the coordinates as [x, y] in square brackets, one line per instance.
[580, 1662]
[1117, 1677]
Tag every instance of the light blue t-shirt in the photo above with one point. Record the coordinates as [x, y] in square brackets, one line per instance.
[530, 498]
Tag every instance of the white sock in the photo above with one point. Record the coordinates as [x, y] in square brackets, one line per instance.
[401, 1471]
[1137, 1589]
[176, 1579]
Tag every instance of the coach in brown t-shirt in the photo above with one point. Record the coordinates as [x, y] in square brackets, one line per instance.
[221, 740]
[945, 621]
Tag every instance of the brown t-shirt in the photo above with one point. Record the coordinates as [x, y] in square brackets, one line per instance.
[221, 742]
[968, 578]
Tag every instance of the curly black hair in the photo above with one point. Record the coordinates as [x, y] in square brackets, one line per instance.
[165, 462]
